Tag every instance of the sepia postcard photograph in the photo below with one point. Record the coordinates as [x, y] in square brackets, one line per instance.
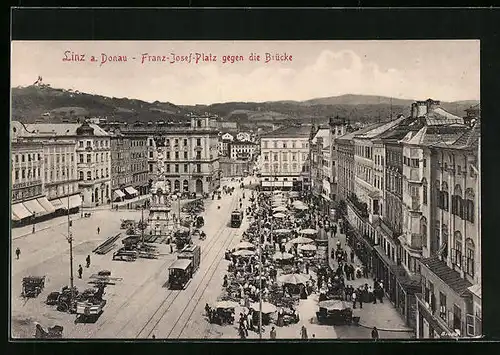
[260, 190]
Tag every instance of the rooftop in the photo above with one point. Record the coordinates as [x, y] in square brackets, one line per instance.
[380, 129]
[353, 134]
[438, 116]
[448, 276]
[321, 133]
[60, 129]
[443, 136]
[302, 131]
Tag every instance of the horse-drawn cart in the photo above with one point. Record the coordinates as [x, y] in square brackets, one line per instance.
[33, 286]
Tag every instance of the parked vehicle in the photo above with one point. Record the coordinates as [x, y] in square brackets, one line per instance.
[33, 286]
[334, 312]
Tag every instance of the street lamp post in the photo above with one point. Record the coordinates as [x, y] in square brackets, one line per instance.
[33, 219]
[81, 205]
[70, 241]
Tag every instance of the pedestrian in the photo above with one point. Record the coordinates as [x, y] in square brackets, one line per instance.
[303, 332]
[360, 299]
[171, 249]
[374, 333]
[353, 298]
[153, 336]
[334, 229]
[352, 257]
[80, 271]
[98, 230]
[88, 261]
[273, 333]
[18, 252]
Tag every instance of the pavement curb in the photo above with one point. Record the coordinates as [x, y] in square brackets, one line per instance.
[400, 330]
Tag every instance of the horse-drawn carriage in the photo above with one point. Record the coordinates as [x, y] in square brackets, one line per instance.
[54, 332]
[334, 312]
[33, 286]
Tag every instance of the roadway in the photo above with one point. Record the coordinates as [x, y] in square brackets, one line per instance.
[140, 305]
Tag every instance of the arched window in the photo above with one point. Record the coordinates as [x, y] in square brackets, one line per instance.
[285, 167]
[469, 205]
[185, 185]
[445, 196]
[89, 175]
[177, 185]
[456, 257]
[169, 185]
[81, 175]
[423, 230]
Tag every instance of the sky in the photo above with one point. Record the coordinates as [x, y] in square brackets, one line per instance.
[442, 70]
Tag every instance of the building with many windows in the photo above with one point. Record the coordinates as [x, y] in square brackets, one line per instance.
[450, 303]
[58, 170]
[285, 158]
[129, 164]
[242, 150]
[189, 152]
[93, 161]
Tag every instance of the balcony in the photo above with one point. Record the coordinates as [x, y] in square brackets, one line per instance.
[433, 317]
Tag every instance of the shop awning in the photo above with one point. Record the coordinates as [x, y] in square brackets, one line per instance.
[20, 211]
[46, 204]
[34, 207]
[119, 193]
[75, 201]
[131, 191]
[14, 217]
[57, 203]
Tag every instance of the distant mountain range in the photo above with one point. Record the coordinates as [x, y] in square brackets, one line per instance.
[53, 105]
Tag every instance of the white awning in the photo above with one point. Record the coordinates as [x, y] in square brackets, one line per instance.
[20, 211]
[131, 191]
[64, 203]
[119, 193]
[46, 204]
[75, 201]
[14, 217]
[34, 207]
[57, 203]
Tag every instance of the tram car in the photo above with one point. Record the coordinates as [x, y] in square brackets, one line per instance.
[236, 218]
[193, 253]
[180, 274]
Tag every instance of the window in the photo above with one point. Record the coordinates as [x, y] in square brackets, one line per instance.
[185, 142]
[198, 168]
[275, 144]
[293, 144]
[285, 156]
[275, 157]
[167, 168]
[456, 258]
[442, 306]
[107, 172]
[80, 175]
[424, 191]
[469, 254]
[151, 155]
[444, 196]
[23, 173]
[81, 158]
[176, 168]
[423, 230]
[89, 175]
[469, 205]
[168, 155]
[198, 141]
[89, 158]
[185, 155]
[284, 144]
[266, 157]
[294, 156]
[176, 155]
[457, 318]
[88, 144]
[186, 168]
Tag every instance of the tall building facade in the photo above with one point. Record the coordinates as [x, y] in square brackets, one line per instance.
[129, 164]
[285, 158]
[190, 155]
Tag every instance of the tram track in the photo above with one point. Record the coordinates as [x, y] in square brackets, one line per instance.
[165, 306]
[139, 291]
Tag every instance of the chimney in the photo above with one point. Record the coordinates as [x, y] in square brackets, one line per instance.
[421, 108]
[414, 110]
[431, 104]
